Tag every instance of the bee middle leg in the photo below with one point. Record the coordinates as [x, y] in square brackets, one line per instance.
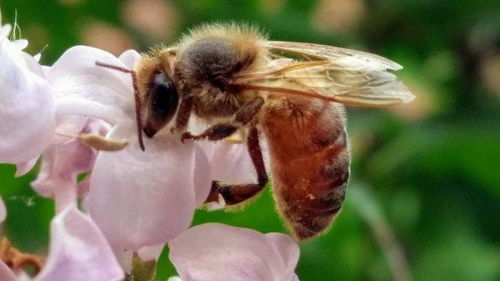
[223, 130]
[234, 194]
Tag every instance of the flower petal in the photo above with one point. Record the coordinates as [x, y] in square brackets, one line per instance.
[24, 167]
[78, 251]
[3, 211]
[146, 198]
[146, 254]
[61, 164]
[219, 252]
[6, 273]
[20, 43]
[202, 176]
[85, 88]
[4, 30]
[151, 252]
[287, 249]
[27, 119]
[130, 58]
[69, 125]
[231, 163]
[124, 257]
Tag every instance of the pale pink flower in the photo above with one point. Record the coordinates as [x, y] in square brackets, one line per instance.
[26, 111]
[146, 254]
[146, 198]
[78, 251]
[230, 163]
[27, 119]
[63, 162]
[138, 201]
[217, 252]
[137, 198]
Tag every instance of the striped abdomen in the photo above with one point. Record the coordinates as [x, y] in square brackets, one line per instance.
[309, 162]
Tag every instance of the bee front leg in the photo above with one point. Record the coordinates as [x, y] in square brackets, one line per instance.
[183, 114]
[216, 132]
[223, 130]
[235, 194]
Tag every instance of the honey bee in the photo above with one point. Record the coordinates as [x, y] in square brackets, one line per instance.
[290, 93]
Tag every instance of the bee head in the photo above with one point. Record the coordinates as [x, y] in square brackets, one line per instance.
[156, 97]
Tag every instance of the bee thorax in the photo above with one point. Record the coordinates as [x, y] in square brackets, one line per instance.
[211, 59]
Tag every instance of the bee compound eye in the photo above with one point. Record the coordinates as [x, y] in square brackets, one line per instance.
[163, 100]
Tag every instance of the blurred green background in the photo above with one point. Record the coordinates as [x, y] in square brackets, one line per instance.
[424, 200]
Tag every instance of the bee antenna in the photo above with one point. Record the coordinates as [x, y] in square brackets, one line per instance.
[136, 97]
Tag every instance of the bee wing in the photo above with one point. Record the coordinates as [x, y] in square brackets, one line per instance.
[350, 77]
[352, 58]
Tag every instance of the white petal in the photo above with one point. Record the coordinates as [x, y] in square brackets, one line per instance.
[3, 211]
[78, 251]
[151, 252]
[231, 164]
[32, 64]
[23, 276]
[145, 253]
[60, 166]
[216, 252]
[4, 31]
[24, 167]
[124, 257]
[148, 253]
[27, 118]
[130, 58]
[202, 177]
[20, 43]
[87, 89]
[146, 198]
[68, 126]
[63, 162]
[287, 249]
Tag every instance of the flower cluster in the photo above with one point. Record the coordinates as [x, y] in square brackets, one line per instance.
[132, 202]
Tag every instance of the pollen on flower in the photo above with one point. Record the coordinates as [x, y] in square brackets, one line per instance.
[99, 143]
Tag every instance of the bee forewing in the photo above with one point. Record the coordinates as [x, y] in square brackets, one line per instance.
[350, 77]
[312, 51]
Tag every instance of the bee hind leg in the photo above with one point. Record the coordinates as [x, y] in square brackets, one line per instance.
[235, 194]
[223, 130]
